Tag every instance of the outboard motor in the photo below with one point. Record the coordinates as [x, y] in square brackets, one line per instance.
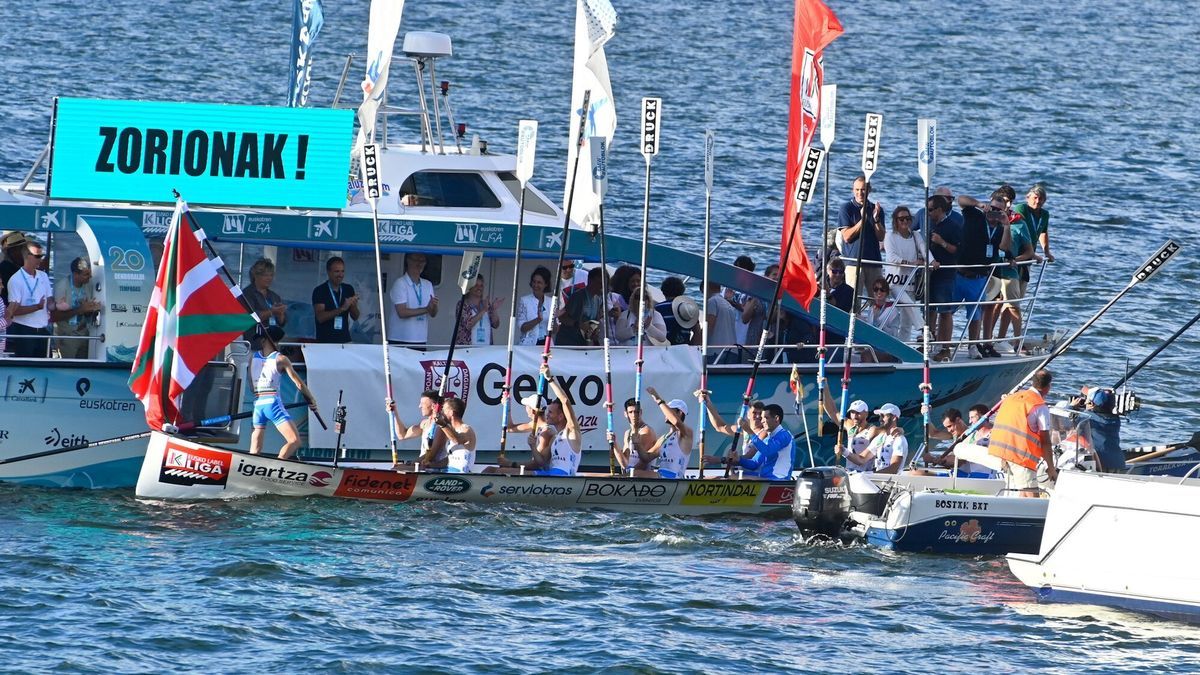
[821, 502]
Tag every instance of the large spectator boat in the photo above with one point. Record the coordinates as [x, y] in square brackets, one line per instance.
[438, 198]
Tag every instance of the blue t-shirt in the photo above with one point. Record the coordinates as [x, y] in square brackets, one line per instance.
[919, 219]
[850, 214]
[951, 234]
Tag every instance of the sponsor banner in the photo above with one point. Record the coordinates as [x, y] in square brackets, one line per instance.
[282, 473]
[628, 491]
[139, 151]
[721, 493]
[384, 485]
[779, 494]
[524, 489]
[446, 485]
[477, 376]
[25, 388]
[191, 465]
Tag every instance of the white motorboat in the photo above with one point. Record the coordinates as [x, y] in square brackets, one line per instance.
[1119, 540]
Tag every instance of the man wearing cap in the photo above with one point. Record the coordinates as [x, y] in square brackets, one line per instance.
[540, 437]
[1021, 436]
[679, 312]
[769, 458]
[887, 449]
[673, 450]
[29, 301]
[1106, 430]
[75, 309]
[13, 245]
[857, 429]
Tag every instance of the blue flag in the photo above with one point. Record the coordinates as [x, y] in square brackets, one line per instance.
[306, 22]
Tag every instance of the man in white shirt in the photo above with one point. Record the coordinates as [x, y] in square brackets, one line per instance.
[720, 320]
[413, 304]
[28, 312]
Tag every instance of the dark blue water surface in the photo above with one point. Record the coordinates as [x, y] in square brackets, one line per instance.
[1095, 99]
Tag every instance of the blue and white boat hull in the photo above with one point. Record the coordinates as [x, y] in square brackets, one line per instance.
[956, 524]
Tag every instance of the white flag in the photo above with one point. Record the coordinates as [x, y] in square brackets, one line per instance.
[381, 40]
[595, 23]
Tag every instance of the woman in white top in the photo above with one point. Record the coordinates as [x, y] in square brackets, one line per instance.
[881, 311]
[480, 316]
[460, 437]
[533, 310]
[655, 328]
[903, 268]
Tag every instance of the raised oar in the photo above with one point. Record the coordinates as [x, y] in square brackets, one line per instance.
[870, 161]
[370, 173]
[598, 148]
[651, 123]
[562, 253]
[1147, 270]
[804, 192]
[211, 421]
[710, 141]
[526, 150]
[1157, 351]
[926, 166]
[798, 391]
[468, 270]
[828, 119]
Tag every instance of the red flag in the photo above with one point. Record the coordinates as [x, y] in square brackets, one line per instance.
[814, 27]
[192, 316]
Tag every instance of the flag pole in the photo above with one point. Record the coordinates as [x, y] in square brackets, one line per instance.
[651, 124]
[808, 176]
[562, 252]
[710, 140]
[526, 150]
[828, 121]
[927, 166]
[369, 166]
[599, 154]
[870, 161]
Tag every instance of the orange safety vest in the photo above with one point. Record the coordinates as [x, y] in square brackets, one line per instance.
[1012, 440]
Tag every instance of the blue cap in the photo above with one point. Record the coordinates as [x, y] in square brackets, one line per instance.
[1102, 398]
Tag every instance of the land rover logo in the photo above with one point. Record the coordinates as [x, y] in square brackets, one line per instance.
[447, 485]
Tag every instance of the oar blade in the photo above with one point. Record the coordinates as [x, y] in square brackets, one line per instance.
[598, 147]
[526, 149]
[710, 144]
[1156, 261]
[369, 166]
[469, 270]
[809, 171]
[651, 124]
[870, 154]
[926, 149]
[828, 113]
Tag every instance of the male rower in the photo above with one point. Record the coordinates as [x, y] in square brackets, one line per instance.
[857, 429]
[888, 448]
[567, 447]
[673, 450]
[264, 373]
[636, 442]
[757, 426]
[433, 440]
[954, 426]
[769, 458]
[540, 437]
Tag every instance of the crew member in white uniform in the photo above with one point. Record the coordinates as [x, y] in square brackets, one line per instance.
[857, 430]
[433, 439]
[567, 446]
[264, 373]
[460, 447]
[889, 447]
[540, 437]
[674, 448]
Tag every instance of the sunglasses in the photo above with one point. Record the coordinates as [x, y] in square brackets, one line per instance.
[877, 289]
[35, 255]
[904, 219]
[838, 272]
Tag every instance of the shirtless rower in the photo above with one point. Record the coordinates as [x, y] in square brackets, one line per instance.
[460, 437]
[433, 450]
[630, 454]
[673, 450]
[266, 366]
[567, 447]
[540, 437]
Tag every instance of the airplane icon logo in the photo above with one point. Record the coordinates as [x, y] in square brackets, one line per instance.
[323, 229]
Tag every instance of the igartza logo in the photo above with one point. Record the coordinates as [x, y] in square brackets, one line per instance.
[320, 479]
[487, 491]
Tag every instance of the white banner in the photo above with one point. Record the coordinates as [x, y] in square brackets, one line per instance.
[477, 376]
[595, 23]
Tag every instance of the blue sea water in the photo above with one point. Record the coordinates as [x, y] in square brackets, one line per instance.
[1096, 99]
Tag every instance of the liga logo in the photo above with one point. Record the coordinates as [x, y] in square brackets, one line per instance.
[194, 466]
[458, 381]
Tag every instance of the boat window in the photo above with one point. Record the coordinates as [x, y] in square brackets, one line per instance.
[533, 202]
[448, 189]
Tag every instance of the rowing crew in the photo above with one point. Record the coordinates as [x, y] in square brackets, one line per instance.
[555, 438]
